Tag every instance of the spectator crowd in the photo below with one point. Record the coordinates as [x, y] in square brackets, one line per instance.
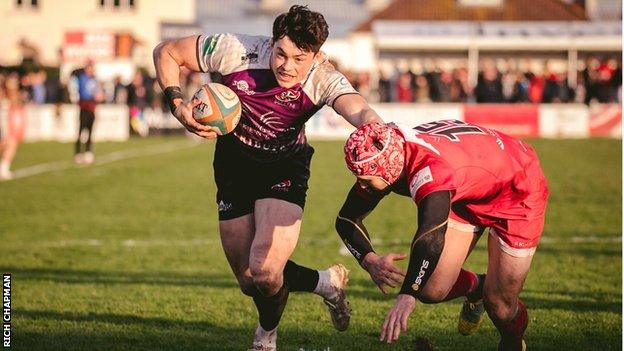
[600, 80]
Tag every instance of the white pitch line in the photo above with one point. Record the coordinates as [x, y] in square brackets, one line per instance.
[104, 159]
[210, 242]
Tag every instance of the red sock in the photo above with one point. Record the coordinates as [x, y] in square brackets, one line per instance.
[512, 332]
[465, 284]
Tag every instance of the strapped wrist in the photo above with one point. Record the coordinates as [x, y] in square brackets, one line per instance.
[171, 94]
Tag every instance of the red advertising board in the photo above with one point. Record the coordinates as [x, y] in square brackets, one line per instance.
[519, 120]
[82, 45]
[605, 120]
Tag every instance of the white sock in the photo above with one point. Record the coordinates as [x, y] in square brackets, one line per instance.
[5, 166]
[266, 337]
[324, 286]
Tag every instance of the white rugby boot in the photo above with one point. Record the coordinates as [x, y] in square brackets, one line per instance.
[264, 340]
[332, 285]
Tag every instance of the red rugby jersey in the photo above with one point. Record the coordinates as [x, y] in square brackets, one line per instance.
[491, 176]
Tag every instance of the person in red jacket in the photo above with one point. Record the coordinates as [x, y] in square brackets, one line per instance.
[16, 125]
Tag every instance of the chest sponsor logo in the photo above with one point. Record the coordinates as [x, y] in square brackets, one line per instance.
[421, 178]
[288, 96]
[243, 86]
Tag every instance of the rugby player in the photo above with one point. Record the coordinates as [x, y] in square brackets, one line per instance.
[463, 178]
[262, 167]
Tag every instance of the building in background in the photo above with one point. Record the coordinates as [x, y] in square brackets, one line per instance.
[376, 43]
[257, 16]
[540, 37]
[116, 33]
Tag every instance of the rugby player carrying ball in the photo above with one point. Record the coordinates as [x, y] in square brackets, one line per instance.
[262, 167]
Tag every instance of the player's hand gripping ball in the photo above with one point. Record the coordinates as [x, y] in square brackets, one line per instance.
[217, 106]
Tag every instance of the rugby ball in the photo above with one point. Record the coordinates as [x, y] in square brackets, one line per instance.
[217, 106]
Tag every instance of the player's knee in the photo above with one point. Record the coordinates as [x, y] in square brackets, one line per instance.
[247, 285]
[432, 294]
[267, 283]
[499, 307]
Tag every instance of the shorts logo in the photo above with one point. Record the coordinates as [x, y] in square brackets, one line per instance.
[224, 206]
[282, 186]
[421, 273]
[288, 96]
[421, 178]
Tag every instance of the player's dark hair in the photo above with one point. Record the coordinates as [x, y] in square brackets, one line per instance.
[307, 29]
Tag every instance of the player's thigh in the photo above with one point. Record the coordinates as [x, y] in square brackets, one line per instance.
[237, 234]
[506, 272]
[277, 225]
[457, 245]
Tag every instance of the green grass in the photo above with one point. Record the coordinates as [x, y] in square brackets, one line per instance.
[80, 284]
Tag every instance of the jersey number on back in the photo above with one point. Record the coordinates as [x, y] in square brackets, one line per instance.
[450, 129]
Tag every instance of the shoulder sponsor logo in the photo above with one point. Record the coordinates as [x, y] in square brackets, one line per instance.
[421, 178]
[210, 44]
[250, 57]
[500, 143]
[288, 95]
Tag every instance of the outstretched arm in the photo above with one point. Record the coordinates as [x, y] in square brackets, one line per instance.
[349, 225]
[355, 109]
[427, 245]
[169, 56]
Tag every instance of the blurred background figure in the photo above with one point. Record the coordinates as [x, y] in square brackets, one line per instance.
[120, 92]
[422, 89]
[556, 89]
[489, 86]
[89, 94]
[16, 122]
[138, 99]
[385, 87]
[405, 92]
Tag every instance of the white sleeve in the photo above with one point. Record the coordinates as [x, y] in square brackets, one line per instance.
[326, 84]
[227, 53]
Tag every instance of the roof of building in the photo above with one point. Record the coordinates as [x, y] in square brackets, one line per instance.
[452, 10]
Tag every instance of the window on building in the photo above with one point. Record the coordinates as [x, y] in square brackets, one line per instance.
[117, 4]
[26, 4]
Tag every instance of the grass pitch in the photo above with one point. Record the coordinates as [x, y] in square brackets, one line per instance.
[125, 255]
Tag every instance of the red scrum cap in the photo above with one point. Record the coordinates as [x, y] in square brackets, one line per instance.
[375, 149]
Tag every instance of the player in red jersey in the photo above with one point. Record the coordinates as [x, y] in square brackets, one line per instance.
[463, 178]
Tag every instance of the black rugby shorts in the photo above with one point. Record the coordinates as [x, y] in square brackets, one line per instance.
[242, 179]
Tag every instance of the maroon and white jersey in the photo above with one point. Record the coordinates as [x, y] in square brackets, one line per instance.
[273, 117]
